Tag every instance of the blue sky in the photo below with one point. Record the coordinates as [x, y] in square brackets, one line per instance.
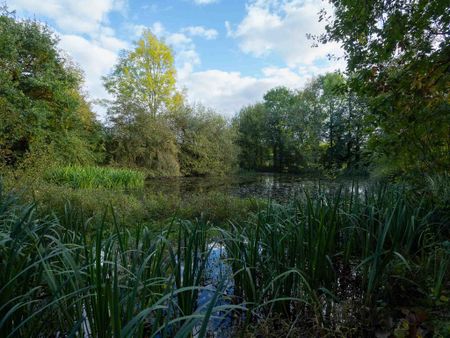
[228, 52]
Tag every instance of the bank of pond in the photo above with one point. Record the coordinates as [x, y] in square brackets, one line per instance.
[346, 259]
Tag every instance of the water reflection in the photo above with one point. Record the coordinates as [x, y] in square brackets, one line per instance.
[279, 187]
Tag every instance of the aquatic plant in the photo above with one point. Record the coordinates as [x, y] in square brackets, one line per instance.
[59, 278]
[95, 177]
[324, 262]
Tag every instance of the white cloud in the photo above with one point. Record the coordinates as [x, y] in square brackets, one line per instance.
[178, 40]
[82, 16]
[207, 33]
[157, 28]
[96, 61]
[228, 92]
[280, 27]
[270, 26]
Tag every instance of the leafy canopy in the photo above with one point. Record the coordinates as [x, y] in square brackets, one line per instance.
[42, 110]
[398, 57]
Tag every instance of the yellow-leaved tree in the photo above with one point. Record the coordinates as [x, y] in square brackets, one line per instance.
[143, 87]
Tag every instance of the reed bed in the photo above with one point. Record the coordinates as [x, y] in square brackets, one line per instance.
[324, 264]
[332, 259]
[95, 177]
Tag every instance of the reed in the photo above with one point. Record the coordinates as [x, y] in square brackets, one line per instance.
[95, 177]
[320, 251]
[119, 283]
[329, 258]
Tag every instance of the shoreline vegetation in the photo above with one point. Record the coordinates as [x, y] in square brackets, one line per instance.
[95, 177]
[338, 262]
[95, 241]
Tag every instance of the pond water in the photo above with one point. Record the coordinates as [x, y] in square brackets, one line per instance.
[279, 187]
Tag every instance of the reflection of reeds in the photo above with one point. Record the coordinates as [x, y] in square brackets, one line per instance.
[328, 259]
[95, 177]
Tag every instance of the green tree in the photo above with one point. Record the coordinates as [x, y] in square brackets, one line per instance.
[398, 57]
[320, 126]
[310, 122]
[144, 78]
[279, 104]
[206, 142]
[252, 137]
[42, 112]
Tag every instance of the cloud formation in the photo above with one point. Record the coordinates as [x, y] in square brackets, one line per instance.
[81, 16]
[268, 28]
[207, 33]
[228, 92]
[281, 27]
[85, 35]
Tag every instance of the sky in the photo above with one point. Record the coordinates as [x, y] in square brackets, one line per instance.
[228, 53]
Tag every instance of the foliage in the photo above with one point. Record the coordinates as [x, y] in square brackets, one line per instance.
[205, 141]
[143, 81]
[151, 127]
[397, 55]
[324, 263]
[95, 177]
[145, 142]
[132, 206]
[321, 126]
[58, 278]
[327, 257]
[143, 86]
[251, 139]
[41, 107]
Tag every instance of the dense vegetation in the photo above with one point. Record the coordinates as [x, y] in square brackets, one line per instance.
[398, 57]
[329, 262]
[390, 114]
[87, 249]
[43, 113]
[319, 127]
[95, 177]
[46, 119]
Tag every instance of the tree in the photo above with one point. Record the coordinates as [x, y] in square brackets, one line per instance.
[318, 127]
[143, 81]
[398, 57]
[206, 142]
[143, 86]
[252, 137]
[278, 103]
[42, 111]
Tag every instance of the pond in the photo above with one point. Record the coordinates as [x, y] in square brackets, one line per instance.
[278, 187]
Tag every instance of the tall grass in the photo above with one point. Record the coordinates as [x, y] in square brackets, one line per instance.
[59, 278]
[95, 177]
[323, 263]
[334, 257]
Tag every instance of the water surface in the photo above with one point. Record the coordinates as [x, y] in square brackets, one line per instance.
[279, 187]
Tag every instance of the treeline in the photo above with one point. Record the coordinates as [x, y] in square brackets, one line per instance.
[390, 113]
[46, 119]
[319, 127]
